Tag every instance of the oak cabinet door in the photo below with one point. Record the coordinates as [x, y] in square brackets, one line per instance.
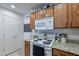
[75, 14]
[39, 15]
[60, 16]
[27, 48]
[49, 12]
[32, 20]
[27, 53]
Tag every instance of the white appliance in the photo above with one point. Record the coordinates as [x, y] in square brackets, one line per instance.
[44, 24]
[47, 46]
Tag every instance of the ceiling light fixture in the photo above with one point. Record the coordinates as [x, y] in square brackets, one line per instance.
[12, 6]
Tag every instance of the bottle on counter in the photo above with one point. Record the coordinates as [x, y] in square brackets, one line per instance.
[63, 37]
[45, 37]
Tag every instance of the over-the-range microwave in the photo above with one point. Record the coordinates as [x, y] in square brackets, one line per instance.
[44, 24]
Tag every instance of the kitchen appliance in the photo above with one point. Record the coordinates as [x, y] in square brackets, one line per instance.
[44, 24]
[45, 47]
[36, 49]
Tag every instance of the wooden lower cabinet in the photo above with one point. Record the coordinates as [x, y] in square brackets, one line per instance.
[57, 52]
[27, 48]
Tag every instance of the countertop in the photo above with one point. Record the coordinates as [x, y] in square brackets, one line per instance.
[68, 47]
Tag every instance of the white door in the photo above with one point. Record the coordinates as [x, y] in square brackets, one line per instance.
[10, 34]
[1, 35]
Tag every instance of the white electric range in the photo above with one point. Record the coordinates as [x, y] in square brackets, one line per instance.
[46, 44]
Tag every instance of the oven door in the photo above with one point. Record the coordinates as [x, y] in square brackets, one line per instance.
[38, 50]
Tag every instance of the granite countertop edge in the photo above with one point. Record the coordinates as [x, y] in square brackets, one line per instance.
[67, 47]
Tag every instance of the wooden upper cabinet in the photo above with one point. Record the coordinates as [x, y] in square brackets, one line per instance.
[60, 16]
[75, 14]
[65, 15]
[32, 20]
[39, 15]
[69, 17]
[49, 12]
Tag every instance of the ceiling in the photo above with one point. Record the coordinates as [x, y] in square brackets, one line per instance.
[21, 8]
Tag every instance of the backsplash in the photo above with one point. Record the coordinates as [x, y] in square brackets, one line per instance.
[73, 33]
[72, 41]
[73, 37]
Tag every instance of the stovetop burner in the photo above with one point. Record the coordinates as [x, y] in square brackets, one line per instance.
[37, 40]
[46, 42]
[49, 40]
